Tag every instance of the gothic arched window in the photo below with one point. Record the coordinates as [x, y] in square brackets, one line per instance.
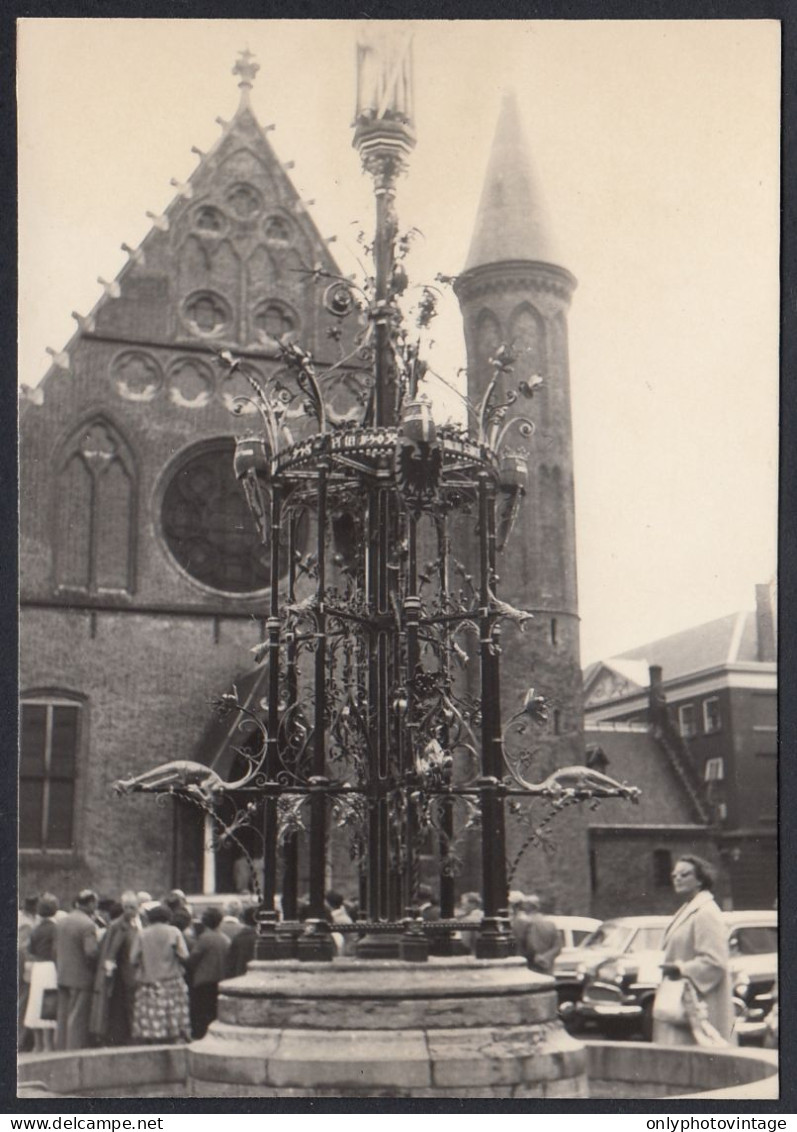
[527, 337]
[488, 335]
[94, 511]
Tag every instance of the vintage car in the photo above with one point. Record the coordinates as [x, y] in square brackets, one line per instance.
[197, 904]
[617, 991]
[574, 930]
[621, 936]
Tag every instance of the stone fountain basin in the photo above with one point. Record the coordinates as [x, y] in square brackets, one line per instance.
[630, 1070]
[451, 1028]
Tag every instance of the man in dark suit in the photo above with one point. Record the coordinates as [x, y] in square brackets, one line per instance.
[76, 949]
[206, 966]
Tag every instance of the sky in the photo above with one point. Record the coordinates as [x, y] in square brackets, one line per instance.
[656, 144]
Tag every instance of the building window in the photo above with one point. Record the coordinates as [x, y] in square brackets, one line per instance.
[208, 527]
[662, 867]
[49, 731]
[711, 715]
[687, 720]
[557, 721]
[714, 770]
[94, 510]
[554, 632]
[527, 337]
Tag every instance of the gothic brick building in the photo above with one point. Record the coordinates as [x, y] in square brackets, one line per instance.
[142, 575]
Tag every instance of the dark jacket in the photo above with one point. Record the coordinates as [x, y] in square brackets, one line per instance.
[207, 961]
[242, 949]
[41, 945]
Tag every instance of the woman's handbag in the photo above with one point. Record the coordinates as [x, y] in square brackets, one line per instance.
[669, 1005]
[679, 1003]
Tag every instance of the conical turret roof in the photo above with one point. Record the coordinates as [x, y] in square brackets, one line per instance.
[512, 222]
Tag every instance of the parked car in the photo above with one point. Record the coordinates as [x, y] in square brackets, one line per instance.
[621, 936]
[199, 903]
[574, 930]
[618, 990]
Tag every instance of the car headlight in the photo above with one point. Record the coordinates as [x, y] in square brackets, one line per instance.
[611, 971]
[741, 987]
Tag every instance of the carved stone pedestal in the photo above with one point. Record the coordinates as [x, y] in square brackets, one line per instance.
[451, 1027]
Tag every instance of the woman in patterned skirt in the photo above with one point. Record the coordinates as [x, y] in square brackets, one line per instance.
[160, 1013]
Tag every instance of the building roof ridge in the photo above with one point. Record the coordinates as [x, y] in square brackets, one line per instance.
[736, 638]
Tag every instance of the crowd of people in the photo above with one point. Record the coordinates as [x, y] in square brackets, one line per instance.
[108, 973]
[139, 970]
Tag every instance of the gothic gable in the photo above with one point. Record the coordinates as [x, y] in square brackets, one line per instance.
[235, 245]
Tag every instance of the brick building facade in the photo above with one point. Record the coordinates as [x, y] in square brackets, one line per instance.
[708, 698]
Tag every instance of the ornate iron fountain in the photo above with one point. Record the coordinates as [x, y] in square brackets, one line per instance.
[383, 634]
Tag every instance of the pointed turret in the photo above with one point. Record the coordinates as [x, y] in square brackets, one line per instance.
[514, 291]
[512, 223]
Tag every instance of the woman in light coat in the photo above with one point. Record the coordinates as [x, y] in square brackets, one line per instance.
[696, 948]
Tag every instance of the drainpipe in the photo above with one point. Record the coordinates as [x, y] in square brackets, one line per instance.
[208, 857]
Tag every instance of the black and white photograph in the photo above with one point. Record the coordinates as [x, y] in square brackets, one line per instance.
[398, 608]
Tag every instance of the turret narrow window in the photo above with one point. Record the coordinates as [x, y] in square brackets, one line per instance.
[94, 510]
[488, 336]
[527, 338]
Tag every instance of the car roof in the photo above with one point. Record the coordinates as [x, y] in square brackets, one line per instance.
[219, 899]
[575, 921]
[638, 921]
[766, 916]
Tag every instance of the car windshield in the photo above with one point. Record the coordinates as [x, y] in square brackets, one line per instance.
[610, 935]
[647, 939]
